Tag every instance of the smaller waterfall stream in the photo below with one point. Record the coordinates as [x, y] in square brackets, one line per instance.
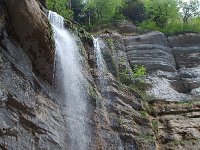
[99, 45]
[71, 82]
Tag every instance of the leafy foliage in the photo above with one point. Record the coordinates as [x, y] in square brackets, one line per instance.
[168, 16]
[102, 11]
[174, 26]
[129, 77]
[77, 7]
[139, 71]
[161, 11]
[61, 7]
[134, 10]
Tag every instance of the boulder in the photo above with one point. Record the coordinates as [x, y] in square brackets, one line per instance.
[126, 27]
[29, 25]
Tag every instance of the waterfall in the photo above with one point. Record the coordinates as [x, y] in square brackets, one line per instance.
[71, 82]
[101, 66]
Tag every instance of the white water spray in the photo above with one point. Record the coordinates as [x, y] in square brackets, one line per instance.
[71, 82]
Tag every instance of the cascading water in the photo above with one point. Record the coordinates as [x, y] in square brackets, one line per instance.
[71, 82]
[101, 65]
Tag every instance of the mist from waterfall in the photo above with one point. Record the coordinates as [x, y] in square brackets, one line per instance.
[71, 82]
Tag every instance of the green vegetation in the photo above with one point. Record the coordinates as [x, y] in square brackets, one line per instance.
[155, 124]
[144, 114]
[168, 16]
[102, 11]
[95, 100]
[110, 42]
[61, 7]
[139, 71]
[174, 27]
[128, 77]
[161, 11]
[134, 80]
[177, 142]
[172, 16]
[147, 137]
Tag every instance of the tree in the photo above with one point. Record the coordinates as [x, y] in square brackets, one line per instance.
[90, 10]
[61, 7]
[189, 9]
[103, 10]
[77, 6]
[160, 11]
[134, 10]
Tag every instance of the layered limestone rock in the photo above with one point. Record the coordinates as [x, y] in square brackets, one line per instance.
[177, 125]
[171, 65]
[173, 75]
[184, 40]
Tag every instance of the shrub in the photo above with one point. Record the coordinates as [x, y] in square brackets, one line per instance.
[139, 71]
[173, 27]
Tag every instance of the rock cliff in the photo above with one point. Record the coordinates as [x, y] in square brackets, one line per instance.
[29, 26]
[171, 110]
[125, 118]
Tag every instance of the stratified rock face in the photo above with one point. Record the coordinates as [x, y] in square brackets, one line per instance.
[177, 125]
[29, 117]
[185, 40]
[187, 57]
[30, 27]
[157, 38]
[150, 50]
[174, 75]
[119, 120]
[174, 70]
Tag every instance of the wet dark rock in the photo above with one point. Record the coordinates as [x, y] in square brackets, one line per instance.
[29, 25]
[26, 111]
[43, 2]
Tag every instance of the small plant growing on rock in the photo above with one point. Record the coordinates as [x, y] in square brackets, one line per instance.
[176, 142]
[155, 124]
[94, 96]
[139, 71]
[144, 114]
[110, 42]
